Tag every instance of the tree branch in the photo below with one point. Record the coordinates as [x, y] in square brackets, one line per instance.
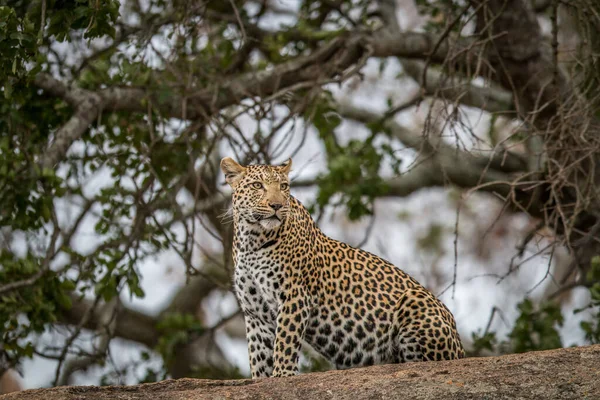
[500, 159]
[328, 61]
[136, 326]
[107, 320]
[491, 99]
[87, 106]
[540, 5]
[129, 324]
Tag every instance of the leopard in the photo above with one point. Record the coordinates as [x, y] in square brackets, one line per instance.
[296, 286]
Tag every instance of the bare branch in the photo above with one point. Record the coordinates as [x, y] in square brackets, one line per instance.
[491, 99]
[130, 324]
[107, 321]
[555, 109]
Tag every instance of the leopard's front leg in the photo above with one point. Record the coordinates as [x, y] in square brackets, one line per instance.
[260, 336]
[292, 319]
[260, 324]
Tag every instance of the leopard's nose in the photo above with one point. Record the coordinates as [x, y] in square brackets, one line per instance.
[275, 206]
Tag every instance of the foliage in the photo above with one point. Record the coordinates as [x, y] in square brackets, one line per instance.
[482, 341]
[27, 191]
[432, 240]
[31, 308]
[176, 329]
[353, 176]
[355, 170]
[534, 329]
[441, 12]
[591, 328]
[30, 194]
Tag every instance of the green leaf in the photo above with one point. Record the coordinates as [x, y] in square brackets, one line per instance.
[68, 285]
[8, 89]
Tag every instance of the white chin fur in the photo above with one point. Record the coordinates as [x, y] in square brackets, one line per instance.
[270, 223]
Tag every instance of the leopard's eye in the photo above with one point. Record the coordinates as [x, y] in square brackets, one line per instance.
[284, 186]
[257, 185]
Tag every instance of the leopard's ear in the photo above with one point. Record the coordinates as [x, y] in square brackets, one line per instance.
[232, 170]
[286, 166]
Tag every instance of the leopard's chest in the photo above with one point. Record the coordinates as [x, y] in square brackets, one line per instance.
[259, 280]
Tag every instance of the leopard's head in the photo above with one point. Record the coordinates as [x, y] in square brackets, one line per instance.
[261, 193]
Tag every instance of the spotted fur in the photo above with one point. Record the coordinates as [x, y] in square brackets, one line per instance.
[296, 285]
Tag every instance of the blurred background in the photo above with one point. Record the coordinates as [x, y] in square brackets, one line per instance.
[407, 137]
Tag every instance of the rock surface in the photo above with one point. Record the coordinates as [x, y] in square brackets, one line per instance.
[572, 373]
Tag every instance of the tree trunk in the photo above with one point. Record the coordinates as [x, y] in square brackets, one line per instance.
[572, 373]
